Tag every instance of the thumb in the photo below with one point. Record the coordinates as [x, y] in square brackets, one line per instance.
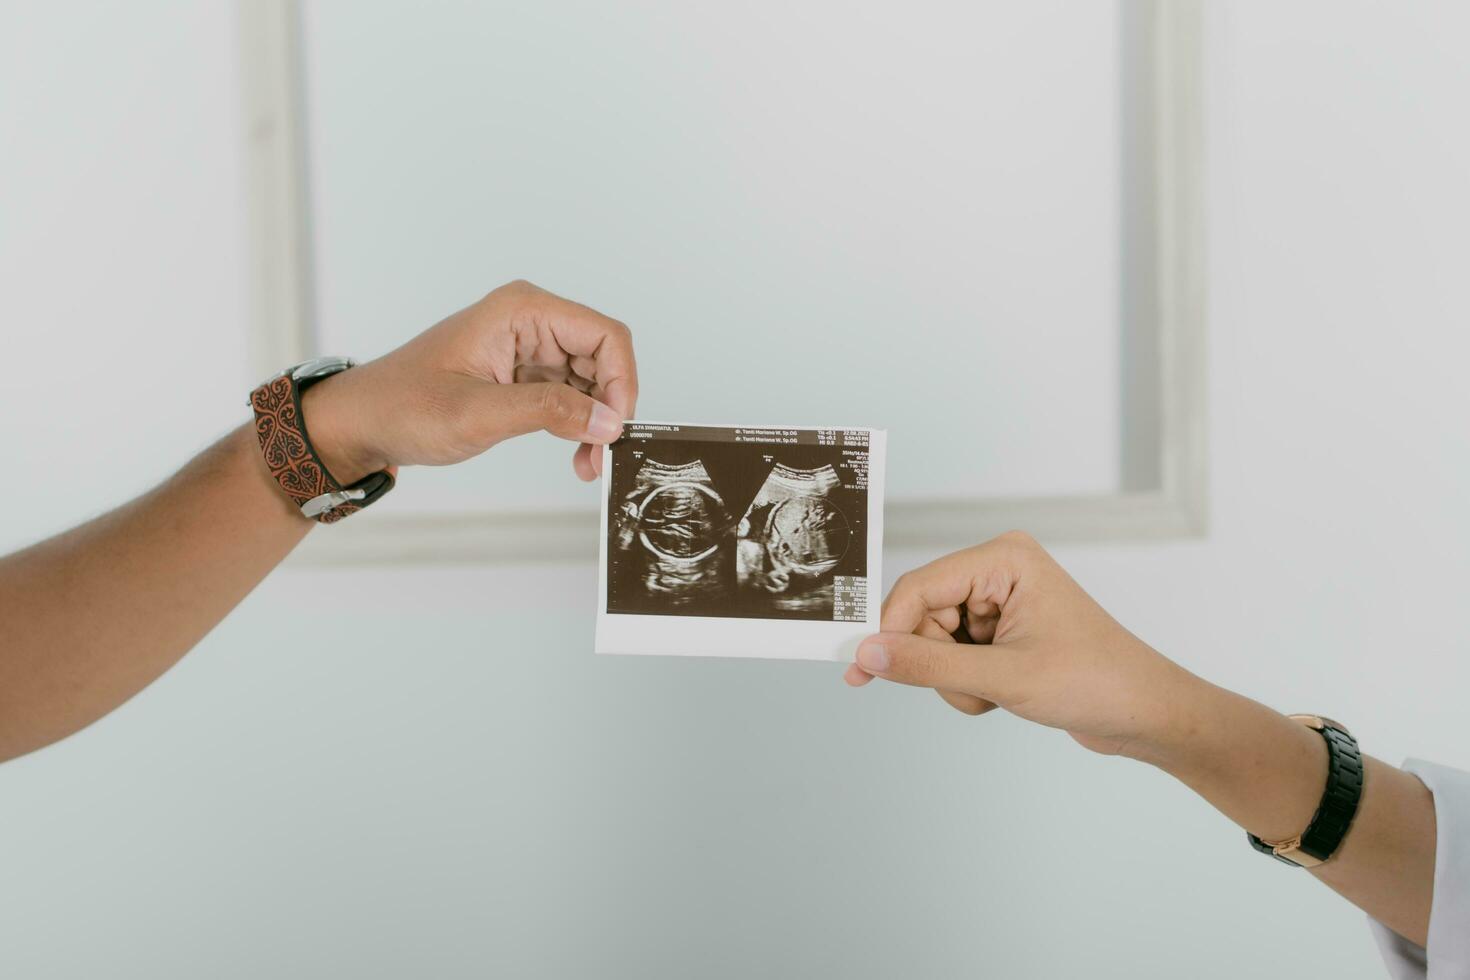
[558, 408]
[983, 670]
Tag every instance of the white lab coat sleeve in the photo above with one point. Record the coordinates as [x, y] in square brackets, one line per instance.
[1447, 955]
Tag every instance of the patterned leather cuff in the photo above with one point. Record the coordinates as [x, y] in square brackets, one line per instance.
[281, 428]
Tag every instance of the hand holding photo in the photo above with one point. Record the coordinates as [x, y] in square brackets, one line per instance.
[740, 541]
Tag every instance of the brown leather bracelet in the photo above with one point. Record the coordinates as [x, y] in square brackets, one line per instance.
[281, 428]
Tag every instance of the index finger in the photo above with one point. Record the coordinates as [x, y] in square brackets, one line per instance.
[979, 579]
[597, 342]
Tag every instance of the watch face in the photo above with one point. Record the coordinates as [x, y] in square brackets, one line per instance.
[319, 367]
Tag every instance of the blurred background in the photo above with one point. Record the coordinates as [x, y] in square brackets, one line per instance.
[390, 768]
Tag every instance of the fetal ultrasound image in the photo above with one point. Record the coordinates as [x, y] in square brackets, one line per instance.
[748, 523]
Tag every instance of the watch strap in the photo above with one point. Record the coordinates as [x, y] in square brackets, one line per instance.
[1340, 799]
[280, 427]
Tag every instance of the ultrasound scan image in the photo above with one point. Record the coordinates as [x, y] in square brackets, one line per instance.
[791, 539]
[746, 523]
[669, 527]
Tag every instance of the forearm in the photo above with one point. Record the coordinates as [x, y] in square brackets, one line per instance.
[97, 613]
[1267, 773]
[1054, 656]
[89, 618]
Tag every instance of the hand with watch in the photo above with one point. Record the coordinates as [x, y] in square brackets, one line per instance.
[519, 360]
[112, 604]
[1002, 625]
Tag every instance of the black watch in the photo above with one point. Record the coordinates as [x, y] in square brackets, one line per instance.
[1339, 803]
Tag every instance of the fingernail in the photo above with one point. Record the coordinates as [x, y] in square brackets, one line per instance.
[873, 657]
[605, 424]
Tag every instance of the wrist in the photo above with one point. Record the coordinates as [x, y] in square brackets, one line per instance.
[1261, 769]
[334, 423]
[1188, 707]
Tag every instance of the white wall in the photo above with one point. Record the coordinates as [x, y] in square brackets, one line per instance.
[122, 249]
[433, 776]
[723, 181]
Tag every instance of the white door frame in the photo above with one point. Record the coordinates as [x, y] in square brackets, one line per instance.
[1164, 361]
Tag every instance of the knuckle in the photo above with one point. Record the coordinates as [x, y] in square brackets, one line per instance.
[557, 403]
[515, 290]
[971, 706]
[1020, 546]
[1019, 539]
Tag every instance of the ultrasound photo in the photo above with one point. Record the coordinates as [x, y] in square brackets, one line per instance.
[747, 523]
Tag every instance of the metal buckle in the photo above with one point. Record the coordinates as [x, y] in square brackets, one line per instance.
[331, 500]
[1291, 852]
[1319, 722]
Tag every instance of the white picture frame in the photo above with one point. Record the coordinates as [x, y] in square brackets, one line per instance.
[1163, 411]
